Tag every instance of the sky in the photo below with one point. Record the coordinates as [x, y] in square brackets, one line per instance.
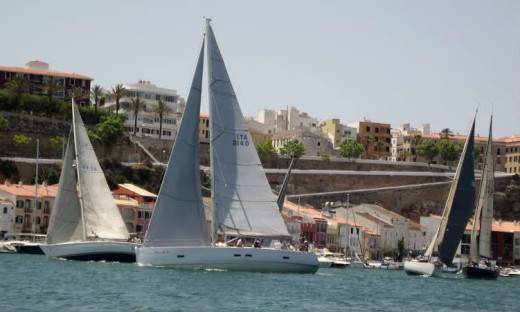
[399, 61]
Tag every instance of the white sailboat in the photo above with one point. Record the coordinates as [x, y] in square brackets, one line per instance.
[242, 202]
[85, 221]
[480, 248]
[455, 216]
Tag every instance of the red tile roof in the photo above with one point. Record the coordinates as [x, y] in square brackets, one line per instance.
[43, 72]
[28, 190]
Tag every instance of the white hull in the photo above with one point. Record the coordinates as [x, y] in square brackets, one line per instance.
[228, 258]
[325, 262]
[422, 268]
[92, 251]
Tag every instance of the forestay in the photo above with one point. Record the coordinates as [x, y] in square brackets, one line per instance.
[178, 218]
[101, 216]
[66, 223]
[243, 201]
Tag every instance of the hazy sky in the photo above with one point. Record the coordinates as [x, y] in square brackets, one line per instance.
[389, 61]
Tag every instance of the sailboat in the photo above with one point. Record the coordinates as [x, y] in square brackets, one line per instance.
[85, 221]
[455, 216]
[480, 249]
[243, 204]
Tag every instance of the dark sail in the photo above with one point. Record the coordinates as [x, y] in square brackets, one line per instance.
[462, 204]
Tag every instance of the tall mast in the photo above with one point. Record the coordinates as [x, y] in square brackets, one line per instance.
[36, 190]
[77, 171]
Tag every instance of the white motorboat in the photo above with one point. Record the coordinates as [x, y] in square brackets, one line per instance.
[6, 247]
[85, 221]
[243, 204]
[325, 262]
[455, 216]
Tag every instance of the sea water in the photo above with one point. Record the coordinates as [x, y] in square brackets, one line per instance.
[36, 283]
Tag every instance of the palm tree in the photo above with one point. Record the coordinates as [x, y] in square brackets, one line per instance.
[404, 154]
[378, 147]
[77, 94]
[117, 93]
[446, 133]
[367, 140]
[50, 86]
[136, 106]
[96, 93]
[16, 88]
[162, 110]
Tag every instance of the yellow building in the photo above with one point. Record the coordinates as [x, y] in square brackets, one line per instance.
[512, 157]
[128, 208]
[204, 128]
[337, 133]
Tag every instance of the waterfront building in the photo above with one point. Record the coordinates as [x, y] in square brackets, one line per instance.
[30, 215]
[37, 72]
[337, 132]
[286, 119]
[128, 208]
[512, 157]
[145, 201]
[7, 216]
[315, 144]
[378, 132]
[404, 141]
[148, 123]
[204, 128]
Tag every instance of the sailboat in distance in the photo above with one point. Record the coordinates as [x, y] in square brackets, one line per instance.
[85, 221]
[243, 204]
[455, 216]
[479, 265]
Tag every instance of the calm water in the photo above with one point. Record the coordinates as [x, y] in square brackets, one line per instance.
[35, 283]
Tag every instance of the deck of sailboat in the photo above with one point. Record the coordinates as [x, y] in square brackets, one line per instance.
[228, 258]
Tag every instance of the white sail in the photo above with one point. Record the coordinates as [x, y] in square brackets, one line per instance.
[66, 223]
[100, 213]
[243, 203]
[178, 218]
[484, 210]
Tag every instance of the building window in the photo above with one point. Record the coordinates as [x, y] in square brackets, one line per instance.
[498, 150]
[28, 203]
[7, 75]
[138, 228]
[39, 205]
[72, 81]
[368, 129]
[38, 220]
[45, 220]
[319, 143]
[19, 219]
[376, 129]
[19, 204]
[5, 210]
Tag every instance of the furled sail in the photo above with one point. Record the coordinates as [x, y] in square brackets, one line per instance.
[66, 224]
[484, 211]
[243, 202]
[459, 205]
[101, 215]
[178, 218]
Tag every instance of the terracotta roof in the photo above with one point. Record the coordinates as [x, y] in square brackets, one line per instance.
[137, 190]
[497, 226]
[315, 214]
[28, 190]
[204, 115]
[43, 72]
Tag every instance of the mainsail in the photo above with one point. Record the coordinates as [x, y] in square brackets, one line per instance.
[100, 213]
[178, 218]
[459, 205]
[484, 211]
[66, 222]
[243, 203]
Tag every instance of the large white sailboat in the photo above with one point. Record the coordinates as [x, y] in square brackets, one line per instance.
[243, 204]
[455, 216]
[85, 221]
[479, 265]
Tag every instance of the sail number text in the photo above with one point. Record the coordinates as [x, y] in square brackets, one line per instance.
[241, 140]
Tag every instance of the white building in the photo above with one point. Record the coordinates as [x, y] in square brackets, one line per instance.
[283, 120]
[400, 134]
[7, 216]
[148, 123]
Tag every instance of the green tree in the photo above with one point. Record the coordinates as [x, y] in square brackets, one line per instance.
[416, 140]
[351, 149]
[93, 137]
[400, 247]
[378, 147]
[136, 107]
[3, 123]
[16, 88]
[21, 140]
[404, 154]
[117, 92]
[265, 149]
[427, 149]
[293, 148]
[447, 150]
[77, 94]
[325, 157]
[367, 141]
[96, 94]
[446, 133]
[109, 130]
[57, 141]
[162, 110]
[50, 86]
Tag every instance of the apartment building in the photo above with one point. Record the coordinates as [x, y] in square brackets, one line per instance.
[512, 156]
[315, 144]
[38, 72]
[284, 120]
[378, 132]
[337, 132]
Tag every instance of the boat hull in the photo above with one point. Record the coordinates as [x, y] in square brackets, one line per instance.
[422, 268]
[29, 249]
[478, 272]
[92, 251]
[228, 258]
